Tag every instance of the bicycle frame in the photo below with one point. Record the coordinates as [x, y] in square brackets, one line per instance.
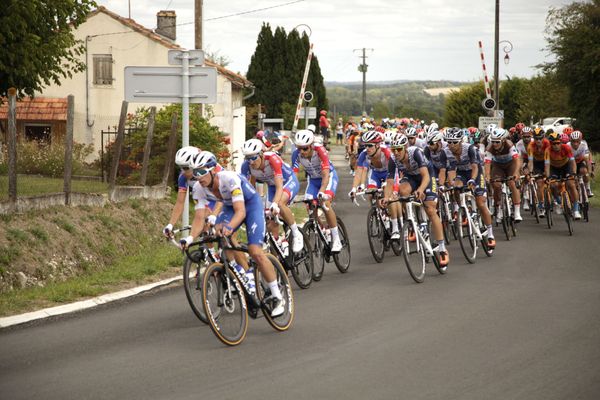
[411, 216]
[468, 196]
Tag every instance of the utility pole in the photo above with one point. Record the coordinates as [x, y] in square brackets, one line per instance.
[363, 68]
[496, 67]
[198, 24]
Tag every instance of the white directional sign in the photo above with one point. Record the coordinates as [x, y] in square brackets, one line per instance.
[164, 85]
[485, 121]
[312, 112]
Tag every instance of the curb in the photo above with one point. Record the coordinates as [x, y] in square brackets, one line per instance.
[83, 304]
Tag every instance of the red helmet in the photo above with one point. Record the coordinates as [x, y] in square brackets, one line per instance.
[512, 130]
[520, 126]
[472, 130]
[568, 130]
[380, 129]
[323, 112]
[564, 138]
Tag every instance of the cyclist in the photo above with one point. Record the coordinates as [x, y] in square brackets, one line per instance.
[521, 147]
[560, 163]
[241, 204]
[413, 140]
[581, 152]
[437, 155]
[183, 159]
[415, 173]
[268, 167]
[322, 178]
[536, 152]
[501, 161]
[465, 168]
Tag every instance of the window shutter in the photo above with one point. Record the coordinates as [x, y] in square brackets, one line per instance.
[103, 69]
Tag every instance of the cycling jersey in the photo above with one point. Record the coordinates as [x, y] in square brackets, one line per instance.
[560, 158]
[469, 154]
[184, 183]
[581, 152]
[315, 165]
[412, 173]
[273, 166]
[376, 175]
[522, 150]
[233, 188]
[538, 152]
[420, 143]
[502, 155]
[439, 159]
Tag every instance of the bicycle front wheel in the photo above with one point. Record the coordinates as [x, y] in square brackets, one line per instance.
[505, 217]
[192, 284]
[567, 213]
[342, 259]
[317, 247]
[397, 244]
[302, 264]
[548, 206]
[375, 235]
[224, 304]
[282, 322]
[413, 251]
[466, 237]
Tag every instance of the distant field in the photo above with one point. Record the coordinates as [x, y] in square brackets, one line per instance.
[438, 91]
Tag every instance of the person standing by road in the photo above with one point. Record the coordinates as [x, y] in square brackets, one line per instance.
[324, 127]
[339, 131]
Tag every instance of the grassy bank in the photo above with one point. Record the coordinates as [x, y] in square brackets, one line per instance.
[37, 185]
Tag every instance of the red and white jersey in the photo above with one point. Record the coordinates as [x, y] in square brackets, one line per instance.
[318, 162]
[273, 167]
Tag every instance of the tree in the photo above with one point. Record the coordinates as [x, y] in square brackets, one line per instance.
[463, 107]
[511, 93]
[37, 46]
[573, 35]
[543, 96]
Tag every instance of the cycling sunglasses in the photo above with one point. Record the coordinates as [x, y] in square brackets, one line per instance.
[199, 172]
[303, 148]
[369, 145]
[397, 149]
[496, 141]
[253, 158]
[453, 141]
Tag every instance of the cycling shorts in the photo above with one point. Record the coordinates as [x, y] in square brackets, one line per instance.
[415, 181]
[291, 187]
[465, 176]
[376, 178]
[314, 185]
[561, 172]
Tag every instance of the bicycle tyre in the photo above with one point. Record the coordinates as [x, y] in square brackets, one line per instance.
[317, 247]
[548, 207]
[193, 287]
[567, 213]
[505, 217]
[284, 321]
[414, 254]
[466, 237]
[342, 259]
[397, 244]
[215, 286]
[302, 265]
[535, 202]
[375, 235]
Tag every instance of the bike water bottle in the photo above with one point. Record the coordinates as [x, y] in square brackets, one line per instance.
[285, 247]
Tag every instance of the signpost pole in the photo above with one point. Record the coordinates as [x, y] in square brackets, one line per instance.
[185, 121]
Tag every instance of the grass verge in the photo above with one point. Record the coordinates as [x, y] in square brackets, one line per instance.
[36, 185]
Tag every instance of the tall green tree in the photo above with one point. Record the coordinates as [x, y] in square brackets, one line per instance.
[261, 66]
[37, 46]
[463, 107]
[511, 93]
[573, 34]
[543, 96]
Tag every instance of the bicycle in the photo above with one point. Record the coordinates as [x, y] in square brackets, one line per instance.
[445, 214]
[565, 200]
[506, 206]
[379, 229]
[418, 252]
[319, 239]
[530, 192]
[299, 264]
[193, 271]
[584, 200]
[469, 235]
[227, 301]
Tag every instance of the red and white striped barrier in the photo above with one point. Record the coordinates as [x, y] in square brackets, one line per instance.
[302, 88]
[486, 82]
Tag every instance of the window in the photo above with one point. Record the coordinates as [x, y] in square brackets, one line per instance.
[103, 73]
[40, 133]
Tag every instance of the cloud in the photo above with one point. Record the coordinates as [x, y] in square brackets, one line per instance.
[427, 39]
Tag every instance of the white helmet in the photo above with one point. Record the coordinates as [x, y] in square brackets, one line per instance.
[499, 134]
[490, 128]
[432, 127]
[434, 137]
[453, 134]
[252, 147]
[576, 135]
[312, 128]
[184, 156]
[399, 141]
[205, 159]
[388, 136]
[411, 132]
[304, 137]
[371, 137]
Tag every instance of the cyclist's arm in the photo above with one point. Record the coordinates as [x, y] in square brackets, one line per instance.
[547, 162]
[178, 208]
[276, 164]
[442, 176]
[425, 178]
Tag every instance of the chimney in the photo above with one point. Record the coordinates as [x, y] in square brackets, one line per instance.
[166, 24]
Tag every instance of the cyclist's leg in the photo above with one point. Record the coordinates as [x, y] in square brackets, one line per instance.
[497, 173]
[511, 170]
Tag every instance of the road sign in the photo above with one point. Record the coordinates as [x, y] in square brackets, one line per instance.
[308, 96]
[485, 121]
[312, 112]
[176, 56]
[164, 85]
[488, 103]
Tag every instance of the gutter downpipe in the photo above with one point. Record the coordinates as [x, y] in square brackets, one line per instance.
[250, 95]
[87, 86]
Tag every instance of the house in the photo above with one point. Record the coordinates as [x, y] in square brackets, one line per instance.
[113, 42]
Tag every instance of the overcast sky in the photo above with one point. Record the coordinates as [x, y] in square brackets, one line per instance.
[412, 39]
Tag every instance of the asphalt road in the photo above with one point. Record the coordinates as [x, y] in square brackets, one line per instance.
[524, 324]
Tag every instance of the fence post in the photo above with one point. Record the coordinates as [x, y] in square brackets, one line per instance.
[148, 146]
[171, 148]
[112, 179]
[69, 149]
[12, 146]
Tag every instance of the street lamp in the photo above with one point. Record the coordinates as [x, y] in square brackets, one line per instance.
[507, 49]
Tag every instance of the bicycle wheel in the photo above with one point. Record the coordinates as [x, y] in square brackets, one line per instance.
[302, 264]
[342, 259]
[375, 235]
[567, 212]
[316, 245]
[584, 203]
[444, 218]
[466, 237]
[192, 284]
[224, 304]
[505, 216]
[282, 322]
[548, 207]
[414, 253]
[534, 202]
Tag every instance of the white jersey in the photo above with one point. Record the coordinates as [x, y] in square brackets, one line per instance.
[232, 188]
[582, 151]
[420, 143]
